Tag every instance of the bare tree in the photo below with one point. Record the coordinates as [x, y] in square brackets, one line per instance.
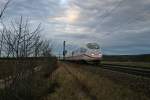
[1, 42]
[4, 9]
[21, 40]
[46, 48]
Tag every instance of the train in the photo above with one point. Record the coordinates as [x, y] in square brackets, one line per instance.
[90, 53]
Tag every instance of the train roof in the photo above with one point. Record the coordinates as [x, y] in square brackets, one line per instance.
[92, 46]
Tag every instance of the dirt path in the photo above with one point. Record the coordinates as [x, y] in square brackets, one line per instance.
[75, 83]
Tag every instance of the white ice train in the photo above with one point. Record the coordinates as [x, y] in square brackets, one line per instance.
[90, 53]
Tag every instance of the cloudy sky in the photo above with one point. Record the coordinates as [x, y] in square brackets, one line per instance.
[118, 26]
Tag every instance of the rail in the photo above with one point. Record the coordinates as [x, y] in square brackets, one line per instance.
[127, 69]
[133, 70]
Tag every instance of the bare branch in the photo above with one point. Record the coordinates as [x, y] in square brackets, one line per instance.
[4, 8]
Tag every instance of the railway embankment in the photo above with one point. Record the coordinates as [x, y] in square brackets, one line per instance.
[87, 82]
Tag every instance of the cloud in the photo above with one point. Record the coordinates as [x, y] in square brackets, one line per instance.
[1, 26]
[119, 26]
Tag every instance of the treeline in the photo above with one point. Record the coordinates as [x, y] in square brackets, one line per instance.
[142, 58]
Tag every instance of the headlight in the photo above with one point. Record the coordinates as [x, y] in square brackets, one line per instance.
[92, 54]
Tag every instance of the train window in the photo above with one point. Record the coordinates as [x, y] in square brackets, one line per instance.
[83, 50]
[93, 46]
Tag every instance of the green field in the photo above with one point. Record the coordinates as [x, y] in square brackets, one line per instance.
[127, 58]
[128, 64]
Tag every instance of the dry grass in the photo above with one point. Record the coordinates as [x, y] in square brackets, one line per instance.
[30, 78]
[68, 88]
[78, 84]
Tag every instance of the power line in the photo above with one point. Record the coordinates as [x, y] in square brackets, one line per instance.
[128, 23]
[110, 12]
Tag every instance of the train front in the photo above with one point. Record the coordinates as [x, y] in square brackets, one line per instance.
[93, 53]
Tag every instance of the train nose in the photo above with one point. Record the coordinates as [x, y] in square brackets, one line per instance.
[92, 54]
[96, 54]
[100, 55]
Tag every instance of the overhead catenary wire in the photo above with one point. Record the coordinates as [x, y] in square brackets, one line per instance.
[110, 12]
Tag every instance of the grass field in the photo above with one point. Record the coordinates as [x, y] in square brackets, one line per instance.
[128, 63]
[75, 83]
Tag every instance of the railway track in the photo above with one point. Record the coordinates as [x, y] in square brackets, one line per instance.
[133, 70]
[138, 79]
[144, 72]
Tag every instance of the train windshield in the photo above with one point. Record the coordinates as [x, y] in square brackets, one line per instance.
[93, 46]
[83, 50]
